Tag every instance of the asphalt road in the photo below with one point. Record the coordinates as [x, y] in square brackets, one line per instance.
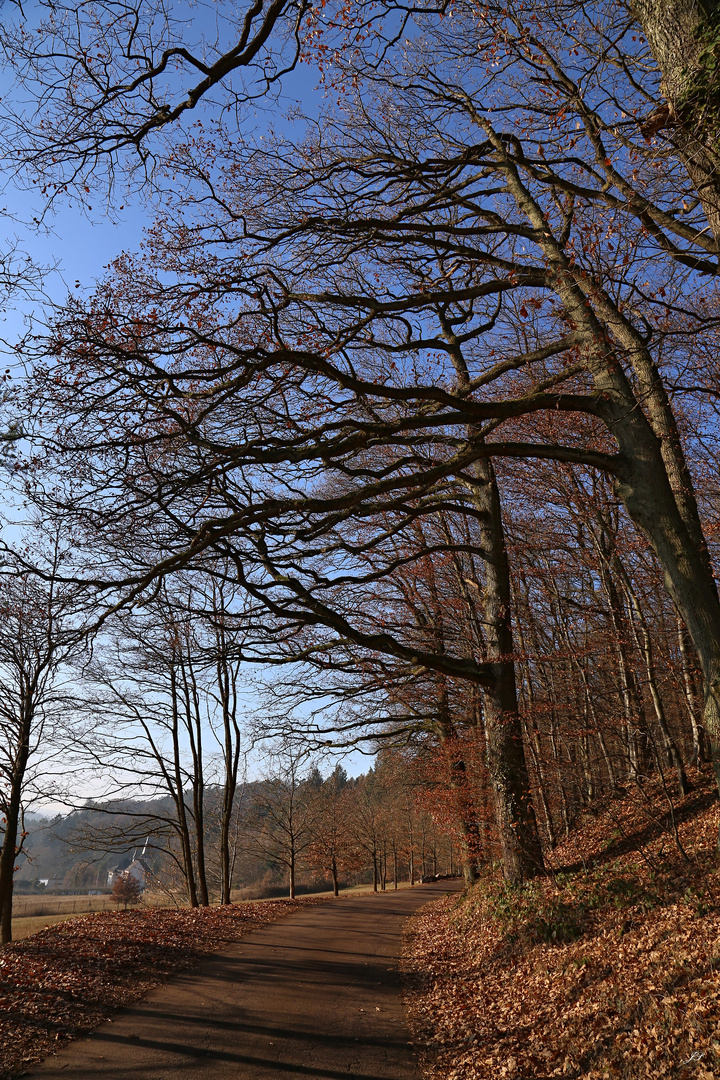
[316, 996]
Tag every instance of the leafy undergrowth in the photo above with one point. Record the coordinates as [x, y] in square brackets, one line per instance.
[64, 981]
[607, 968]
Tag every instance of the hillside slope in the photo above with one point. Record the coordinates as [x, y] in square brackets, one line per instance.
[608, 968]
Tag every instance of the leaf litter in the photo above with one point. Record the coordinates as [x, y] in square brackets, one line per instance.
[607, 968]
[61, 983]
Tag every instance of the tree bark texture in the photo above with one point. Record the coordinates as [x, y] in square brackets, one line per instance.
[520, 845]
[683, 36]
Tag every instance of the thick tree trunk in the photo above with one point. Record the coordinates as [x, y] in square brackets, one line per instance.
[681, 35]
[520, 845]
[334, 872]
[646, 494]
[685, 39]
[651, 477]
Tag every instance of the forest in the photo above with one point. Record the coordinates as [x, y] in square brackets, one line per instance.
[405, 414]
[292, 831]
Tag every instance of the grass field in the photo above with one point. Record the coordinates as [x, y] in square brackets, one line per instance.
[27, 906]
[32, 924]
[33, 913]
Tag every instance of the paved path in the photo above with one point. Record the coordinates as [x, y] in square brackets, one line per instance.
[316, 996]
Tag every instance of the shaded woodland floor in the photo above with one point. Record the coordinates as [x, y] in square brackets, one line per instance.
[609, 967]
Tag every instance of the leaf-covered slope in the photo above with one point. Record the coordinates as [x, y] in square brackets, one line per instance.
[608, 968]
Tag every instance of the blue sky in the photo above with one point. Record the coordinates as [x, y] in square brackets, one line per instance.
[80, 246]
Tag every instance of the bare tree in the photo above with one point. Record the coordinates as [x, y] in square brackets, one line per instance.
[135, 68]
[281, 823]
[323, 310]
[148, 682]
[225, 653]
[41, 633]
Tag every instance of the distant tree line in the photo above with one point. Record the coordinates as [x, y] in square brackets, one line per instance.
[292, 828]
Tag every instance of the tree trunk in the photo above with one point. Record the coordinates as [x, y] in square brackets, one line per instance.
[645, 644]
[225, 881]
[588, 705]
[8, 854]
[226, 679]
[681, 34]
[520, 845]
[180, 808]
[533, 739]
[635, 724]
[647, 497]
[650, 476]
[199, 815]
[187, 856]
[466, 816]
[333, 871]
[194, 730]
[699, 753]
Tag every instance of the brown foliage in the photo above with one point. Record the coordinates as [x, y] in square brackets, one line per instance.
[126, 890]
[606, 970]
[61, 983]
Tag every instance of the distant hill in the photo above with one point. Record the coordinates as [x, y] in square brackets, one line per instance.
[76, 851]
[79, 848]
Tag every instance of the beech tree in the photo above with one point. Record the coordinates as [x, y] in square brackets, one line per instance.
[590, 600]
[685, 41]
[479, 254]
[126, 891]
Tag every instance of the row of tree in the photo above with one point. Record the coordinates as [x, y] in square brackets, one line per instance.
[155, 707]
[291, 829]
[414, 396]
